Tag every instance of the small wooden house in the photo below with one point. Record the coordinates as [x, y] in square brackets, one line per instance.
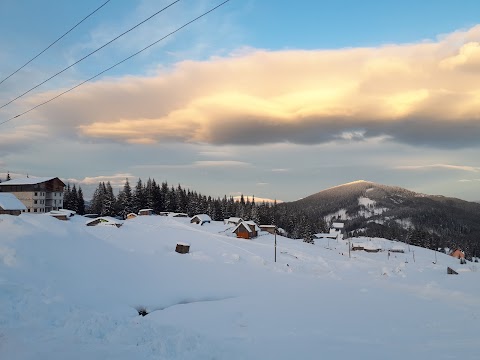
[268, 228]
[10, 205]
[131, 216]
[233, 221]
[357, 247]
[181, 215]
[58, 215]
[145, 212]
[104, 221]
[200, 219]
[246, 230]
[457, 253]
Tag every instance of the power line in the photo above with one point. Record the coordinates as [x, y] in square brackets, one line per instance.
[115, 65]
[88, 55]
[53, 43]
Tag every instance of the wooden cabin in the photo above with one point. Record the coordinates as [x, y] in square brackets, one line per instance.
[233, 221]
[145, 212]
[104, 221]
[243, 231]
[131, 216]
[268, 228]
[200, 219]
[58, 215]
[457, 253]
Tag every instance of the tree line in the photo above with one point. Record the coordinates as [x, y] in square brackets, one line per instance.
[161, 197]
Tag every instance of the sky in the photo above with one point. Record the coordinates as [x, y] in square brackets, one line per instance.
[275, 99]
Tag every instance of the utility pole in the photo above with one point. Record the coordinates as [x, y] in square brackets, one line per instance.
[275, 226]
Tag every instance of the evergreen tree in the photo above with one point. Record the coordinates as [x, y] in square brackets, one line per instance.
[108, 208]
[81, 202]
[8, 176]
[139, 198]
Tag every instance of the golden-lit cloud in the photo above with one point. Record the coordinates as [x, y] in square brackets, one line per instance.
[439, 166]
[425, 93]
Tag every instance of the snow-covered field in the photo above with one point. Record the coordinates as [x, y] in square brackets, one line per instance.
[68, 291]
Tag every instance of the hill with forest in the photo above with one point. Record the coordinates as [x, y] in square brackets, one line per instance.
[370, 209]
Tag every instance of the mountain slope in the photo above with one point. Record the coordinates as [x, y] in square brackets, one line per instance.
[393, 212]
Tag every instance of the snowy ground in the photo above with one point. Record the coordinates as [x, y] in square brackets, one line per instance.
[68, 291]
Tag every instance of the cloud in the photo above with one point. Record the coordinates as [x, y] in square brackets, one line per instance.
[280, 170]
[116, 180]
[439, 166]
[469, 180]
[424, 94]
[220, 163]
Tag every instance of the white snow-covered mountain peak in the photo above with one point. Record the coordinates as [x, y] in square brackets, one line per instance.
[72, 291]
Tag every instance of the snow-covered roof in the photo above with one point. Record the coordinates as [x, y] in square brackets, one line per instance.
[326, 235]
[28, 181]
[267, 226]
[338, 225]
[250, 222]
[202, 217]
[234, 219]
[244, 225]
[105, 220]
[145, 210]
[10, 202]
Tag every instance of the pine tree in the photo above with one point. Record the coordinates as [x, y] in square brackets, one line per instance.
[139, 199]
[108, 208]
[8, 176]
[81, 202]
[73, 199]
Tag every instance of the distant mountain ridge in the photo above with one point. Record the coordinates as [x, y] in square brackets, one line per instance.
[373, 209]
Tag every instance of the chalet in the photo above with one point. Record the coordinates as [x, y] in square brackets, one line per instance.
[233, 221]
[38, 194]
[372, 248]
[268, 228]
[163, 213]
[357, 247]
[254, 227]
[244, 231]
[457, 253]
[10, 205]
[106, 220]
[131, 216]
[145, 212]
[182, 215]
[200, 219]
[397, 249]
[60, 215]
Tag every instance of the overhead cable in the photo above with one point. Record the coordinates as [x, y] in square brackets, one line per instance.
[115, 65]
[89, 54]
[53, 43]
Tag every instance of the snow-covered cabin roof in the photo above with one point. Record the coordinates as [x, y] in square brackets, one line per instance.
[244, 225]
[105, 220]
[250, 222]
[326, 235]
[202, 217]
[142, 210]
[235, 220]
[28, 181]
[10, 202]
[68, 212]
[338, 225]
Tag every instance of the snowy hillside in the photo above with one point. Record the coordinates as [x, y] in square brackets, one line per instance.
[68, 291]
[393, 212]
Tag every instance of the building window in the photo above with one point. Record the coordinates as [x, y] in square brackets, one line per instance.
[34, 201]
[34, 210]
[36, 194]
[28, 210]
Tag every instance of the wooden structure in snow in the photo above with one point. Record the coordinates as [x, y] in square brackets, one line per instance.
[104, 221]
[200, 219]
[131, 216]
[182, 248]
[233, 221]
[246, 230]
[457, 253]
[145, 212]
[268, 228]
